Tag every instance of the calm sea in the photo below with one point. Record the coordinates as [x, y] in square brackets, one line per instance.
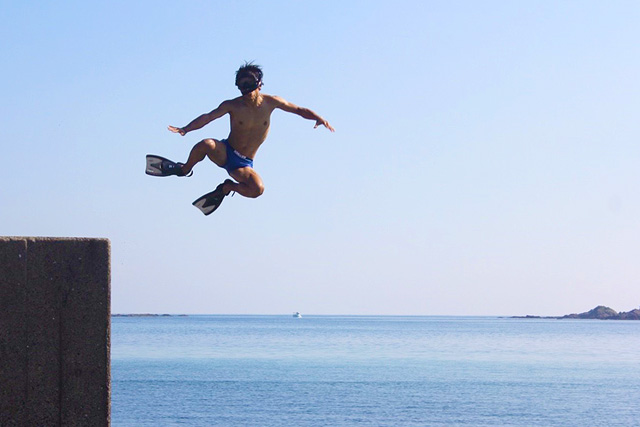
[374, 371]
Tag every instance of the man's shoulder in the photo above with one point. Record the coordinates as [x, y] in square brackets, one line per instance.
[233, 101]
[274, 99]
[271, 97]
[231, 104]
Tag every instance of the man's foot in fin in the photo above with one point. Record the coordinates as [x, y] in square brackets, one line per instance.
[212, 201]
[179, 171]
[228, 181]
[159, 166]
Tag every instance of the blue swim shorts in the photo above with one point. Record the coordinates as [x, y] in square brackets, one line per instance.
[235, 160]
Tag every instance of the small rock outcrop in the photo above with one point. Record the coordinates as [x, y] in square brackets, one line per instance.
[600, 312]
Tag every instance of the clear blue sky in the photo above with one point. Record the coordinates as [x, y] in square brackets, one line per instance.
[485, 160]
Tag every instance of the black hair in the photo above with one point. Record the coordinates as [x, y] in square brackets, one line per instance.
[252, 70]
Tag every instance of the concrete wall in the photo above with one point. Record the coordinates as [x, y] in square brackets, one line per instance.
[55, 331]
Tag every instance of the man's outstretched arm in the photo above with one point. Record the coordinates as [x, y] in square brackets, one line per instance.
[202, 120]
[302, 112]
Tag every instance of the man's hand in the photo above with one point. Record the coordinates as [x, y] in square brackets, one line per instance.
[177, 130]
[324, 123]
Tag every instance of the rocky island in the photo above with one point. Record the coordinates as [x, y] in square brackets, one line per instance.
[600, 312]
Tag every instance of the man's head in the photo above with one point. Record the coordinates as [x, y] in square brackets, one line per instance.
[249, 78]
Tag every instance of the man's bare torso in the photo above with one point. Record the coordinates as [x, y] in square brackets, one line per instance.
[250, 121]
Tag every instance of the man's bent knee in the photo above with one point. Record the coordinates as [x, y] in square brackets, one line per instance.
[209, 143]
[256, 191]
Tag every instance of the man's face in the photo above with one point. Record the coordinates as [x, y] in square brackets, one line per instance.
[247, 82]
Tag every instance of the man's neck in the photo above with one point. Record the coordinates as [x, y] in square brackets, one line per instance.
[253, 98]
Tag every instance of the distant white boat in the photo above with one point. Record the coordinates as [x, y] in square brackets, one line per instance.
[297, 314]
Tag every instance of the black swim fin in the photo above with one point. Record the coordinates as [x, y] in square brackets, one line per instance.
[159, 166]
[211, 201]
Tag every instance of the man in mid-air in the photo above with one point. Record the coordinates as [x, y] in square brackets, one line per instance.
[250, 116]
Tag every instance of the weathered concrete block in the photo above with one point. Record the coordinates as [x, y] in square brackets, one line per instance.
[13, 332]
[54, 332]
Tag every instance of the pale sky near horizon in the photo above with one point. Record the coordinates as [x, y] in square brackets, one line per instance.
[485, 159]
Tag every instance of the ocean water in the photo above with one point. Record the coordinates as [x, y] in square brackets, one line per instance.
[374, 371]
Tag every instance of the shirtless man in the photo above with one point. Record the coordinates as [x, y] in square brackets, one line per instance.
[250, 118]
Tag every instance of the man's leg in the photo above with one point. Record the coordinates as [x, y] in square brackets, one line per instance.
[249, 183]
[214, 149]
